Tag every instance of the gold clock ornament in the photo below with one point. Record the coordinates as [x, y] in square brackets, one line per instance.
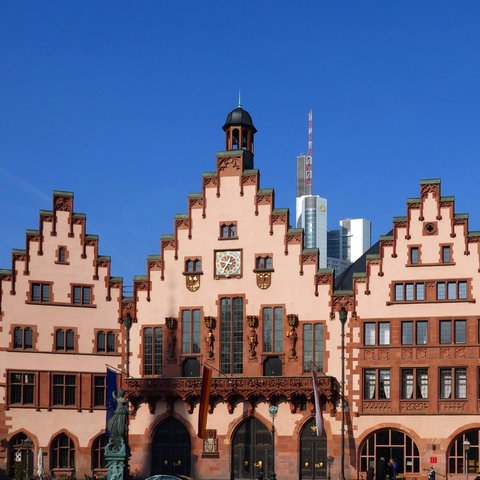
[228, 263]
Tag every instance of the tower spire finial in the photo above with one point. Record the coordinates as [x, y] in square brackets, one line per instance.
[239, 99]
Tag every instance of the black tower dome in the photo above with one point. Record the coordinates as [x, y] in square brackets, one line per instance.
[239, 131]
[238, 117]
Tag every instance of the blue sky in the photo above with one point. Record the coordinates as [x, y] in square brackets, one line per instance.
[122, 103]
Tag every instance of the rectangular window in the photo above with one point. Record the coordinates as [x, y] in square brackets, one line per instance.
[231, 335]
[446, 255]
[460, 333]
[457, 336]
[40, 292]
[313, 349]
[407, 333]
[82, 295]
[409, 292]
[64, 389]
[152, 351]
[399, 292]
[369, 334]
[441, 291]
[273, 329]
[420, 291]
[384, 333]
[447, 389]
[376, 384]
[445, 331]
[414, 383]
[452, 290]
[21, 388]
[422, 332]
[99, 390]
[191, 331]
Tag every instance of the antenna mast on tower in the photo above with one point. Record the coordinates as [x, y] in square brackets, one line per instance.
[310, 128]
[308, 158]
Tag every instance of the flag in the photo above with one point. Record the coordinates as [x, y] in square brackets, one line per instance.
[318, 405]
[204, 401]
[110, 401]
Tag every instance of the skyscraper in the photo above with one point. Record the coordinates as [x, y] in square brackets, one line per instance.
[311, 210]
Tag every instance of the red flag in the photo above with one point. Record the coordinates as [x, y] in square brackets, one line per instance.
[204, 401]
[318, 405]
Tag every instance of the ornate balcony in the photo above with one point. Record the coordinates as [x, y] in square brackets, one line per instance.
[231, 390]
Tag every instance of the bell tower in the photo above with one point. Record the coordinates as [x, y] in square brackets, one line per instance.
[239, 131]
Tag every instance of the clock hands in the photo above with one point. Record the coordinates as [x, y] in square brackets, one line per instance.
[226, 264]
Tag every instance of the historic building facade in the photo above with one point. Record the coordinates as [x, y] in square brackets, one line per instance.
[395, 341]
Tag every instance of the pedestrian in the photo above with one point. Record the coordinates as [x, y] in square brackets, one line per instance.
[431, 474]
[381, 471]
[259, 470]
[392, 469]
[370, 473]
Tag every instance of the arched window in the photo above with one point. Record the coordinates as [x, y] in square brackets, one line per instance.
[390, 444]
[64, 340]
[23, 338]
[457, 454]
[106, 342]
[62, 452]
[110, 342]
[100, 341]
[235, 139]
[98, 452]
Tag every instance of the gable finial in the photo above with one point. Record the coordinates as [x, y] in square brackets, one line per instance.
[239, 100]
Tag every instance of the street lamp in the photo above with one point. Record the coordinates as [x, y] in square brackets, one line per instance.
[343, 320]
[273, 410]
[466, 448]
[329, 465]
[27, 445]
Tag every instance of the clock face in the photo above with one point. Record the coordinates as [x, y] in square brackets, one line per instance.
[227, 263]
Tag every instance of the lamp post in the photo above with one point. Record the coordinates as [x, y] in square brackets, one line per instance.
[343, 320]
[273, 410]
[329, 465]
[27, 446]
[466, 448]
[128, 324]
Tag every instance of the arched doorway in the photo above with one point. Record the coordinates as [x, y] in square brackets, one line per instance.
[20, 461]
[313, 452]
[171, 449]
[252, 443]
[390, 443]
